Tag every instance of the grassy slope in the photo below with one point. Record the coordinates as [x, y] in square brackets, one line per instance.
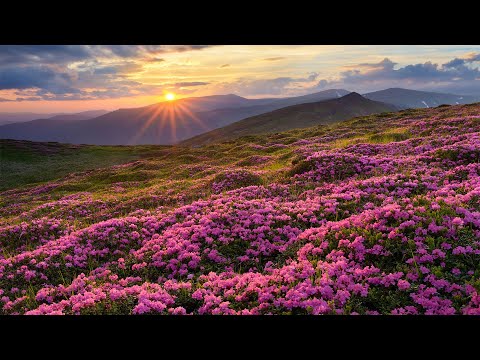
[164, 169]
[296, 116]
[162, 178]
[25, 162]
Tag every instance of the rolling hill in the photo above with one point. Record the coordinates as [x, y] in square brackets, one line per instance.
[377, 215]
[295, 116]
[162, 123]
[405, 98]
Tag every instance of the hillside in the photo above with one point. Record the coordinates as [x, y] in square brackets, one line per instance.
[162, 123]
[379, 214]
[23, 162]
[222, 117]
[405, 98]
[296, 116]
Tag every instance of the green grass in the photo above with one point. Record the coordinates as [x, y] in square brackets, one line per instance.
[392, 135]
[80, 168]
[23, 163]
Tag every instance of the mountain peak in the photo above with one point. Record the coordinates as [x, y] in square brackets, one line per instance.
[353, 95]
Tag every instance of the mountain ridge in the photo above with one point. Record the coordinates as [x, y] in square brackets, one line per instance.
[160, 123]
[407, 98]
[295, 116]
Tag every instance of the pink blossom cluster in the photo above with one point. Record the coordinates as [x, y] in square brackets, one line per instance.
[385, 228]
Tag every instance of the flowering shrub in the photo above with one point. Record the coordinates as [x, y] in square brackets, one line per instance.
[254, 160]
[366, 228]
[230, 180]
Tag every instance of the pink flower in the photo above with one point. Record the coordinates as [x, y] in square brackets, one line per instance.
[456, 271]
[403, 284]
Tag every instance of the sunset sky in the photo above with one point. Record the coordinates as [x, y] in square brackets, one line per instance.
[60, 78]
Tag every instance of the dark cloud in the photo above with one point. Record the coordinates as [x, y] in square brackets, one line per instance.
[457, 76]
[30, 98]
[385, 70]
[133, 51]
[105, 70]
[155, 59]
[426, 70]
[454, 63]
[60, 72]
[414, 75]
[470, 58]
[473, 57]
[274, 58]
[41, 77]
[38, 54]
[60, 54]
[225, 65]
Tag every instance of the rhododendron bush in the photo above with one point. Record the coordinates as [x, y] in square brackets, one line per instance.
[336, 222]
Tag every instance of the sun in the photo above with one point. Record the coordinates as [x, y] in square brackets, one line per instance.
[170, 96]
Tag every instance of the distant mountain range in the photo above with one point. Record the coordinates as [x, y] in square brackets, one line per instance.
[404, 98]
[179, 120]
[84, 115]
[295, 116]
[162, 123]
[11, 118]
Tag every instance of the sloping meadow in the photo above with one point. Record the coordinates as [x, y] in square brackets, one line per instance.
[376, 215]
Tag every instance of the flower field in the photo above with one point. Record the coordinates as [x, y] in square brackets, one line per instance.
[375, 215]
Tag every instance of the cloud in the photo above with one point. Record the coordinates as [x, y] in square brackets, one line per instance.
[454, 63]
[459, 75]
[41, 77]
[469, 58]
[472, 57]
[30, 98]
[119, 68]
[274, 58]
[59, 72]
[79, 72]
[155, 59]
[145, 52]
[426, 76]
[37, 54]
[14, 54]
[275, 86]
[428, 71]
[190, 83]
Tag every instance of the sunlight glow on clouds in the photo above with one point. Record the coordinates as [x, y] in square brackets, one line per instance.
[78, 77]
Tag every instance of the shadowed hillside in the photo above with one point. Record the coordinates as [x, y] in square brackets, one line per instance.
[296, 116]
[162, 123]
